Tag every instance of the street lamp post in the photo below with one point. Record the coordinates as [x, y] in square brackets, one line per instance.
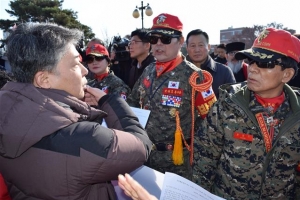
[148, 12]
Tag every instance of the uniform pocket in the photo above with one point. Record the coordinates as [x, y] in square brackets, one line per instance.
[241, 149]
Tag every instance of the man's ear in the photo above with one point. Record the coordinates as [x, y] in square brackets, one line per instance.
[148, 46]
[41, 80]
[288, 74]
[181, 40]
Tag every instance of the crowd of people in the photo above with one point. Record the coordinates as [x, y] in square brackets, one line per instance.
[228, 121]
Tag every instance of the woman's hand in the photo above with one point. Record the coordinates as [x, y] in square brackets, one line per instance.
[93, 95]
[133, 189]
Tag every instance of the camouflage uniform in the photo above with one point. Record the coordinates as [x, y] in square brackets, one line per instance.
[111, 85]
[240, 169]
[161, 126]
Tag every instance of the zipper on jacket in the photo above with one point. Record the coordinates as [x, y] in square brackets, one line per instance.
[289, 126]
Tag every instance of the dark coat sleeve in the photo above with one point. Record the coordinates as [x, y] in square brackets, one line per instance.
[121, 117]
[99, 152]
[130, 145]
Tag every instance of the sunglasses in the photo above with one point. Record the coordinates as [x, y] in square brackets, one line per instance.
[269, 65]
[164, 39]
[91, 59]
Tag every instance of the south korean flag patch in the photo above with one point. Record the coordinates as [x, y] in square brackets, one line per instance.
[173, 84]
[207, 93]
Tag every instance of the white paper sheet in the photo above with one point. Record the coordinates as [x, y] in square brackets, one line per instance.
[176, 187]
[142, 115]
[168, 186]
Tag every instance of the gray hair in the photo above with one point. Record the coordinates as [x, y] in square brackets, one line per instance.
[34, 47]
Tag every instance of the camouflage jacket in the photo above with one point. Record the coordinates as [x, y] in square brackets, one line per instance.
[111, 85]
[231, 159]
[150, 92]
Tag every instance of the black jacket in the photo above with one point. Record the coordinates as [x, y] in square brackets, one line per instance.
[135, 72]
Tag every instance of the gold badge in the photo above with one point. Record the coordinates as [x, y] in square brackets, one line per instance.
[172, 112]
[263, 35]
[161, 19]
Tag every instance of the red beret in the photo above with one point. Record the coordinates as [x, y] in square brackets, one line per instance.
[272, 44]
[167, 24]
[97, 50]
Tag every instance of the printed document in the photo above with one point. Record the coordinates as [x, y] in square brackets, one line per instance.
[176, 187]
[168, 186]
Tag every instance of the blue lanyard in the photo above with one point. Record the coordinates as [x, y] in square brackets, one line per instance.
[151, 96]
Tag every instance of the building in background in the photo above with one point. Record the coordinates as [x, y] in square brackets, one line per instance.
[226, 35]
[247, 34]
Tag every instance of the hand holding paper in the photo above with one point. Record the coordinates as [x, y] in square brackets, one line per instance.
[145, 181]
[133, 189]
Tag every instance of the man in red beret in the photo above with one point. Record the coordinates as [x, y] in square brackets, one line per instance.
[249, 146]
[171, 89]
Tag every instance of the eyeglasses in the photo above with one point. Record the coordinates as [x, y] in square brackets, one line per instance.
[133, 42]
[164, 39]
[91, 59]
[232, 53]
[269, 65]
